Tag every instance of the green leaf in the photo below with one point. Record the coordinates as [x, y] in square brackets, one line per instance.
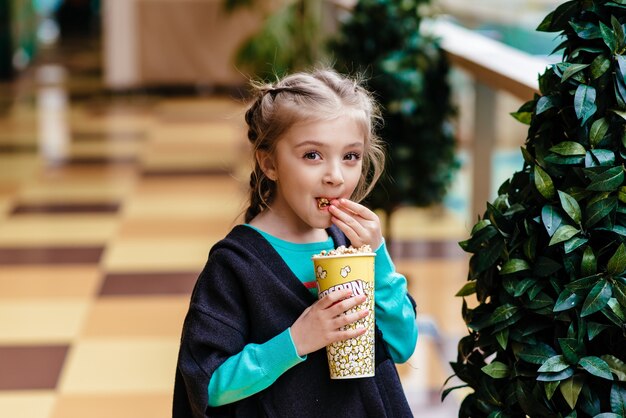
[617, 263]
[585, 102]
[586, 30]
[617, 366]
[564, 233]
[571, 207]
[552, 377]
[594, 329]
[618, 31]
[607, 181]
[619, 290]
[573, 69]
[468, 289]
[550, 388]
[543, 182]
[537, 354]
[599, 158]
[551, 219]
[598, 210]
[514, 265]
[608, 36]
[574, 243]
[570, 389]
[567, 300]
[618, 400]
[598, 130]
[497, 370]
[616, 308]
[596, 366]
[554, 364]
[569, 347]
[569, 148]
[585, 282]
[597, 298]
[544, 103]
[599, 66]
[588, 265]
[503, 337]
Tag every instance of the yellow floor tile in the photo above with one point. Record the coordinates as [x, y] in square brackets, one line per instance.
[41, 321]
[58, 230]
[120, 366]
[114, 406]
[137, 317]
[154, 255]
[18, 283]
[27, 404]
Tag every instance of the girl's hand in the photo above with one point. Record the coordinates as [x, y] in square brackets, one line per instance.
[320, 323]
[360, 224]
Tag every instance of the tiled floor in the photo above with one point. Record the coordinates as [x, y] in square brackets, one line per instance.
[99, 249]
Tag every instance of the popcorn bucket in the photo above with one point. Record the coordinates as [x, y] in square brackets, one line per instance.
[354, 357]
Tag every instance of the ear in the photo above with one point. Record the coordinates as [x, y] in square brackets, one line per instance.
[266, 162]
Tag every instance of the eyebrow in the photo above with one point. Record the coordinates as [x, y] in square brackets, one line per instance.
[321, 144]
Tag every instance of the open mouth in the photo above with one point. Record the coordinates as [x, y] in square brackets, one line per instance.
[322, 202]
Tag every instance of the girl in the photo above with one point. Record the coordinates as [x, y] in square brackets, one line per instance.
[253, 340]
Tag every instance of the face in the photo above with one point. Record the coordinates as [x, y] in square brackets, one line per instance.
[314, 161]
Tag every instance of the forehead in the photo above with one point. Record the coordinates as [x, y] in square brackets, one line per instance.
[339, 131]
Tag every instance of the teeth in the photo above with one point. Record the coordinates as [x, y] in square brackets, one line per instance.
[322, 202]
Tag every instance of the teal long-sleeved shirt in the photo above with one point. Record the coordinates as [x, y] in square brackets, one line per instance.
[257, 366]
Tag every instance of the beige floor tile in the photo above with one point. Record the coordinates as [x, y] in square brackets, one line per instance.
[120, 366]
[433, 284]
[19, 167]
[76, 190]
[136, 317]
[428, 223]
[19, 283]
[191, 186]
[114, 406]
[154, 255]
[27, 404]
[168, 228]
[172, 205]
[41, 321]
[112, 149]
[424, 370]
[58, 230]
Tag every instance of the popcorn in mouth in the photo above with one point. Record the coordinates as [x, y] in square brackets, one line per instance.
[322, 202]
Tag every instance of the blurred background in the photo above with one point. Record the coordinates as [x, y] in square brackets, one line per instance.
[123, 159]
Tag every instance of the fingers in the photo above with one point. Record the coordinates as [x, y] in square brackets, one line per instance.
[334, 297]
[356, 208]
[360, 224]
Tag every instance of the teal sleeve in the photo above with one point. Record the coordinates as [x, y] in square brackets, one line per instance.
[255, 368]
[394, 311]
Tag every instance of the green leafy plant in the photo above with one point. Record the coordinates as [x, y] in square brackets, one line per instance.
[407, 71]
[289, 40]
[547, 333]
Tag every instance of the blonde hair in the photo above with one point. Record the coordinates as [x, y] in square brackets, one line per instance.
[303, 97]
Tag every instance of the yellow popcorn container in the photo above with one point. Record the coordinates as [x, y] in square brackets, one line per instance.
[354, 357]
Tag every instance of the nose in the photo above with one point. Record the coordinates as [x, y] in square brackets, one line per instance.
[333, 175]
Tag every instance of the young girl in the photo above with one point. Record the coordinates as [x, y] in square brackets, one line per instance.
[253, 339]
